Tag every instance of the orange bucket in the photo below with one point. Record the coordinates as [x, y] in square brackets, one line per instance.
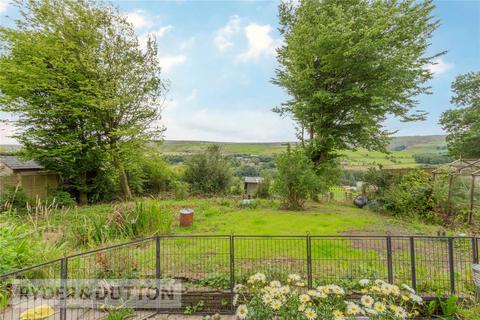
[186, 217]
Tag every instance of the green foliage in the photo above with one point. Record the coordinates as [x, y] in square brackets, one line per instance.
[463, 123]
[14, 198]
[296, 179]
[124, 221]
[378, 181]
[209, 173]
[61, 198]
[191, 309]
[121, 313]
[432, 158]
[17, 250]
[157, 175]
[85, 94]
[216, 282]
[407, 196]
[21, 246]
[412, 196]
[247, 171]
[180, 190]
[445, 308]
[263, 191]
[348, 65]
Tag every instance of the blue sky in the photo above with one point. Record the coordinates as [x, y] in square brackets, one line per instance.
[219, 57]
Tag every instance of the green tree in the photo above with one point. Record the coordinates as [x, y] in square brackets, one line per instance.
[348, 65]
[296, 179]
[209, 173]
[84, 93]
[463, 124]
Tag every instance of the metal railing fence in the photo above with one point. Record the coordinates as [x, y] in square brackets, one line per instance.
[428, 264]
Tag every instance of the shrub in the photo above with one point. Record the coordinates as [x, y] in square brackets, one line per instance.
[61, 198]
[209, 173]
[17, 250]
[411, 196]
[157, 175]
[125, 221]
[296, 179]
[180, 190]
[377, 182]
[14, 198]
[432, 158]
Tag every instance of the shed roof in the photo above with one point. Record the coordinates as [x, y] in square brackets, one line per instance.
[253, 179]
[15, 163]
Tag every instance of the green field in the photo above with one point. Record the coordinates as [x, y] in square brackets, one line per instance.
[359, 159]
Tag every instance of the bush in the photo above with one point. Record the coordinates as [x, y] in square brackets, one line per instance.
[17, 251]
[412, 196]
[432, 158]
[157, 175]
[296, 179]
[21, 247]
[61, 198]
[14, 198]
[209, 173]
[180, 190]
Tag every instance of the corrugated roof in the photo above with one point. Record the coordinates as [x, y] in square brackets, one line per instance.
[253, 179]
[17, 164]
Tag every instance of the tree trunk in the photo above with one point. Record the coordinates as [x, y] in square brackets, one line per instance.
[82, 196]
[127, 194]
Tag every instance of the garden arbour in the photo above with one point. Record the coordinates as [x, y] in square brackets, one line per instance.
[218, 262]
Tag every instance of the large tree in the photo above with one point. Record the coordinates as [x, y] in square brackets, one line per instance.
[463, 124]
[348, 65]
[84, 93]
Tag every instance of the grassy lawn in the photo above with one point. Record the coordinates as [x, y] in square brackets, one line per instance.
[319, 219]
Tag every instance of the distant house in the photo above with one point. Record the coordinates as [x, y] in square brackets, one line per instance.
[251, 185]
[29, 175]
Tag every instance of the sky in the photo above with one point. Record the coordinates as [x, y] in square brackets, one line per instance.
[219, 58]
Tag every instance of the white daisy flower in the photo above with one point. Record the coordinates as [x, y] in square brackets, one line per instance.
[367, 301]
[304, 298]
[364, 282]
[242, 312]
[310, 314]
[276, 304]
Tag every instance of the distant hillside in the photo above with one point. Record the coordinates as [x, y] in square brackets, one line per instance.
[418, 142]
[402, 150]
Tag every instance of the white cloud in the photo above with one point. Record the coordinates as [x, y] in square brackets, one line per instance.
[3, 5]
[138, 19]
[143, 39]
[187, 44]
[223, 39]
[233, 125]
[168, 62]
[439, 66]
[192, 96]
[260, 42]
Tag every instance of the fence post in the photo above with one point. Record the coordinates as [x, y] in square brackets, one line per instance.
[157, 269]
[232, 262]
[309, 261]
[475, 250]
[389, 259]
[63, 288]
[451, 264]
[157, 257]
[413, 263]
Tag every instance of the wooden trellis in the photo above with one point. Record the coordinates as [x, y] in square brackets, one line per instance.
[468, 168]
